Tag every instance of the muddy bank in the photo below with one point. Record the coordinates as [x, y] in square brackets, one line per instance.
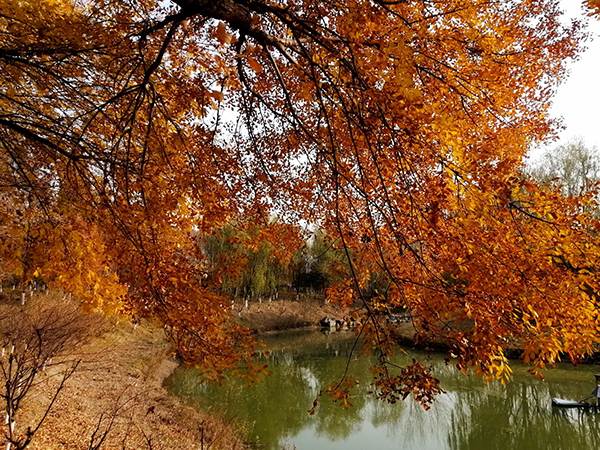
[285, 315]
[288, 315]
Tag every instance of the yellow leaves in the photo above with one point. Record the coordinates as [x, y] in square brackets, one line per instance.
[497, 367]
[534, 313]
[364, 278]
[461, 264]
[542, 350]
[406, 140]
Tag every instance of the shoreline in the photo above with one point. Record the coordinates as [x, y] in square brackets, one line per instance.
[292, 312]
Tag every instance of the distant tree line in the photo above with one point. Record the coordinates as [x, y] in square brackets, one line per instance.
[240, 266]
[573, 167]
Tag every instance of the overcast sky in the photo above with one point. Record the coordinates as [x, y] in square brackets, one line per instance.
[578, 98]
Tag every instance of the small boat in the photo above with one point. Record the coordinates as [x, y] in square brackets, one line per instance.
[327, 322]
[559, 402]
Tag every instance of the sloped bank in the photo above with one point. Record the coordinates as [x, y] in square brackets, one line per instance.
[115, 398]
[285, 315]
[124, 383]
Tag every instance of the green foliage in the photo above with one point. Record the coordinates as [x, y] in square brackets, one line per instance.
[318, 264]
[240, 265]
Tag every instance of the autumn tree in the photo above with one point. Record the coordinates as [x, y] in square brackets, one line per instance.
[398, 128]
[594, 7]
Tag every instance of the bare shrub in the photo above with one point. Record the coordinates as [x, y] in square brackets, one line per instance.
[40, 341]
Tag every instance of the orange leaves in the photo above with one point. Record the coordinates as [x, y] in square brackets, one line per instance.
[515, 274]
[341, 293]
[415, 380]
[254, 65]
[87, 270]
[217, 95]
[402, 142]
[594, 6]
[341, 392]
[223, 36]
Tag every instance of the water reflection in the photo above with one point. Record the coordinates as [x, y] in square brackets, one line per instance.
[471, 415]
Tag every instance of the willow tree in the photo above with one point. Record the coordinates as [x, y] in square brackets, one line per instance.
[397, 127]
[244, 264]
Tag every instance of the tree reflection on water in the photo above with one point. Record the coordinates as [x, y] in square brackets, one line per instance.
[471, 415]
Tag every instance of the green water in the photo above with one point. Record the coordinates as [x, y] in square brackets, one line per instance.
[470, 415]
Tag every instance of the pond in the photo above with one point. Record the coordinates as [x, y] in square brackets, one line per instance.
[470, 415]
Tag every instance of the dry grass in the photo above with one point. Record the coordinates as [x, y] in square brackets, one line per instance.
[286, 315]
[115, 399]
